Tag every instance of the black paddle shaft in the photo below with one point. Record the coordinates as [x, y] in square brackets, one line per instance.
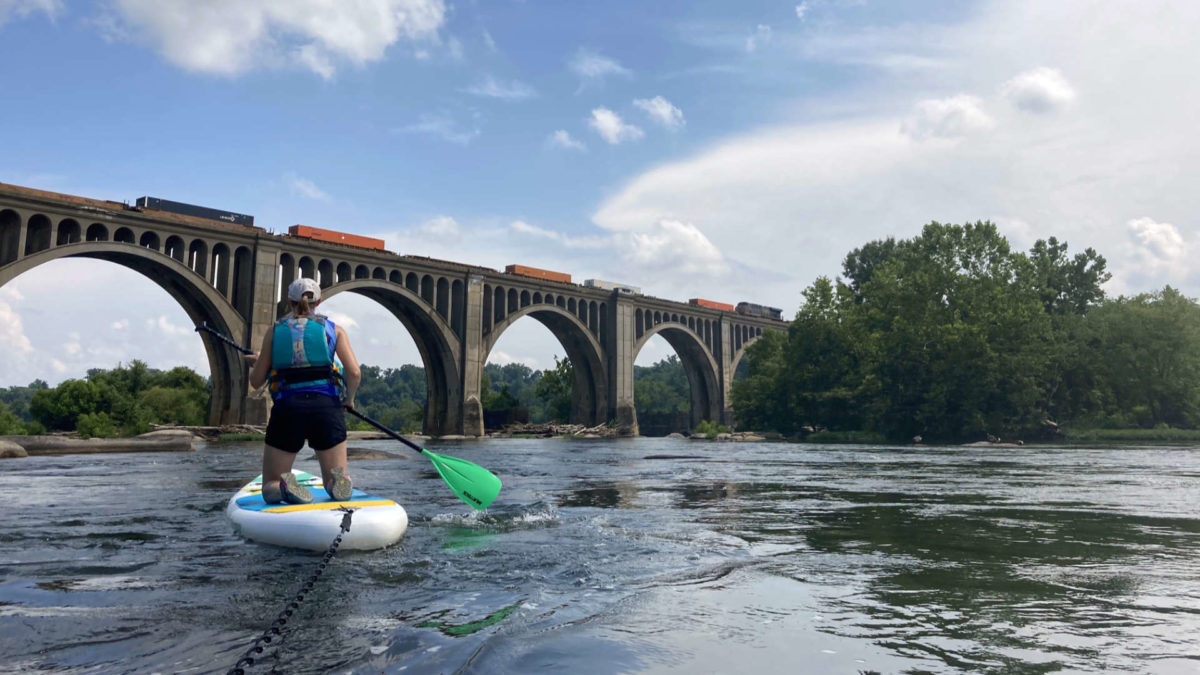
[384, 429]
[203, 326]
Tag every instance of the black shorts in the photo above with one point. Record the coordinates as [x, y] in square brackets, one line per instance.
[316, 418]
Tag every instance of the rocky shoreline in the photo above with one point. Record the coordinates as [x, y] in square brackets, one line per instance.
[155, 441]
[605, 431]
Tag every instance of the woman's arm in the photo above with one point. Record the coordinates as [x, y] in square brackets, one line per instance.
[261, 361]
[350, 370]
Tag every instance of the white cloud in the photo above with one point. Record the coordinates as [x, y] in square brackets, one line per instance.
[121, 325]
[304, 187]
[801, 10]
[762, 35]
[230, 37]
[952, 117]
[443, 127]
[503, 359]
[522, 227]
[593, 67]
[441, 226]
[12, 334]
[163, 325]
[562, 139]
[489, 41]
[611, 128]
[672, 245]
[1159, 250]
[72, 348]
[1042, 90]
[662, 111]
[489, 87]
[23, 8]
[343, 320]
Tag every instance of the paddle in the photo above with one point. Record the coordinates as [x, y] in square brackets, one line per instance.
[473, 484]
[203, 326]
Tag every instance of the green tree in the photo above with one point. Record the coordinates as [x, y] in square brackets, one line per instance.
[96, 425]
[1067, 285]
[556, 388]
[60, 407]
[1146, 352]
[396, 397]
[757, 398]
[128, 399]
[10, 423]
[950, 335]
[166, 405]
[18, 398]
[662, 388]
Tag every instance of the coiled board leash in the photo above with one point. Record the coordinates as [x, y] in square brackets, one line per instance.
[274, 634]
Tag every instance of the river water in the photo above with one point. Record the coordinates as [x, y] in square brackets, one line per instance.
[631, 556]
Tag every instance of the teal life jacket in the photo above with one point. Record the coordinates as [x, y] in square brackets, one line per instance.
[303, 357]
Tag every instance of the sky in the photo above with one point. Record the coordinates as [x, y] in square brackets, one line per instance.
[731, 151]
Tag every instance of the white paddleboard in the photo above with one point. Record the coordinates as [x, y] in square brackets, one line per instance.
[376, 522]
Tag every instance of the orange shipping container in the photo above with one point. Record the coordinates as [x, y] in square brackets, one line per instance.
[537, 273]
[335, 237]
[701, 302]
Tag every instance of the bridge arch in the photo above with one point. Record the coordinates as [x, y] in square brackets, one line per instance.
[699, 365]
[438, 345]
[198, 298]
[751, 336]
[589, 403]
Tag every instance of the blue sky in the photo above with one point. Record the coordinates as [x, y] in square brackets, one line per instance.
[734, 151]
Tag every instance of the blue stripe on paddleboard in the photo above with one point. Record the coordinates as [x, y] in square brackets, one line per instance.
[256, 503]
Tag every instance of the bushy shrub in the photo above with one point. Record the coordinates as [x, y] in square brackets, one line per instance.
[96, 425]
[9, 422]
[710, 429]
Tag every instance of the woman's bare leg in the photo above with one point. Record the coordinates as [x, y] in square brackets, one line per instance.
[330, 459]
[275, 463]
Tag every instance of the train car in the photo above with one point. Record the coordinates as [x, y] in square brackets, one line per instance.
[711, 304]
[536, 273]
[192, 210]
[335, 237]
[751, 309]
[612, 286]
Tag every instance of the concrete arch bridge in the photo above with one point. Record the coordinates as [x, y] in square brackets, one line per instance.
[233, 276]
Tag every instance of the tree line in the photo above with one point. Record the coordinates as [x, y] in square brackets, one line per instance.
[952, 335]
[122, 401]
[131, 399]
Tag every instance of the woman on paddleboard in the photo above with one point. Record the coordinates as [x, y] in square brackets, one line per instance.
[299, 357]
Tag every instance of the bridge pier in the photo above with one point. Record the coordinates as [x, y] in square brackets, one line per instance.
[620, 345]
[473, 357]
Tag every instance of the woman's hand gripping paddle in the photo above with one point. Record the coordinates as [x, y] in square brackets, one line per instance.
[472, 483]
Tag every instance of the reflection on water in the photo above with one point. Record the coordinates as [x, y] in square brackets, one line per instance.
[651, 555]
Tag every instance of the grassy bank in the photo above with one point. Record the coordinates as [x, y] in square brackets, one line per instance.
[1131, 435]
[240, 437]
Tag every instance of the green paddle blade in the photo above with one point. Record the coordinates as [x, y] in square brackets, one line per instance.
[472, 483]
